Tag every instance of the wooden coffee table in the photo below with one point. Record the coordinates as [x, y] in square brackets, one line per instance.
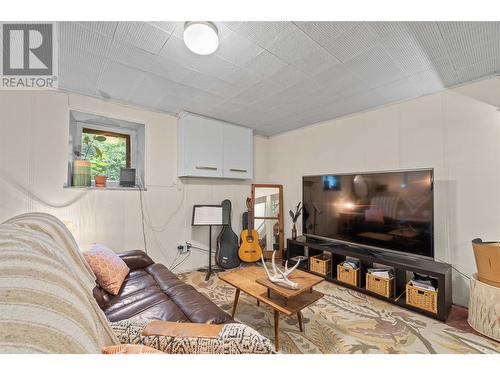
[253, 281]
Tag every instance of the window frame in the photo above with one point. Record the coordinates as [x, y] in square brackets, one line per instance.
[101, 124]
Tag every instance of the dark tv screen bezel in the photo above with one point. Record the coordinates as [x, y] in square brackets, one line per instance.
[361, 245]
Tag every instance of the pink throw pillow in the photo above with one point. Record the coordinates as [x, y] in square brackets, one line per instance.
[374, 215]
[109, 269]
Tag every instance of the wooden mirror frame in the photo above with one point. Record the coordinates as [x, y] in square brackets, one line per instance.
[268, 254]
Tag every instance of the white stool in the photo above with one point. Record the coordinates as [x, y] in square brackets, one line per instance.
[484, 308]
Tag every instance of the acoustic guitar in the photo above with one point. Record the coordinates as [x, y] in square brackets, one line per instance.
[226, 255]
[250, 250]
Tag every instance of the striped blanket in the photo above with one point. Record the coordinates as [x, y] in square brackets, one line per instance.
[46, 302]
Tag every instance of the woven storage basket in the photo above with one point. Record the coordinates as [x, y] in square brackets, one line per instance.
[347, 275]
[380, 285]
[320, 264]
[421, 298]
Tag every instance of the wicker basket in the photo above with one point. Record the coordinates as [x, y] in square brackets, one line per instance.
[380, 285]
[320, 264]
[421, 298]
[347, 275]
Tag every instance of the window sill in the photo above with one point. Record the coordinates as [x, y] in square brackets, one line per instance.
[108, 188]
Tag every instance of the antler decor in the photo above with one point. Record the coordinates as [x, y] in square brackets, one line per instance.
[281, 278]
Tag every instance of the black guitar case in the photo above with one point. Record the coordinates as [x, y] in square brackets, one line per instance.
[226, 255]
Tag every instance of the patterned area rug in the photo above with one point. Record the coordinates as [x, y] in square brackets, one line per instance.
[345, 321]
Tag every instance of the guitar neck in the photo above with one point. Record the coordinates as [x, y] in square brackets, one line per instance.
[250, 220]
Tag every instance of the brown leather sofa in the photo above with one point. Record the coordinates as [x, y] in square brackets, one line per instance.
[151, 291]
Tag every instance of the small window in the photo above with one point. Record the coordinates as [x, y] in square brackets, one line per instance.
[107, 151]
[108, 145]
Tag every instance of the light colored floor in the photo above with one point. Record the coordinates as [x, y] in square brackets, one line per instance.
[345, 321]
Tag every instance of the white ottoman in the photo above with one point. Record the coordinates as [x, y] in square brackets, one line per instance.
[484, 308]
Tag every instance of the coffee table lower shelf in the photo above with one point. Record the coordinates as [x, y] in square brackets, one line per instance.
[245, 280]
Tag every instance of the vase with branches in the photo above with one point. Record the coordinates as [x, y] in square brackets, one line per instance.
[295, 216]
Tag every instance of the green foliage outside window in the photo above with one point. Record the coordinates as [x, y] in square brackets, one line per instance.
[107, 154]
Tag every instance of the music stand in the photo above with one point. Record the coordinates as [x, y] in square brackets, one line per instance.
[208, 215]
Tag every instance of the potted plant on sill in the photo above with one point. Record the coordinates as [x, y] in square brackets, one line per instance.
[82, 166]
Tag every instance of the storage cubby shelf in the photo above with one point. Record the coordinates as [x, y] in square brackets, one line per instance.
[401, 263]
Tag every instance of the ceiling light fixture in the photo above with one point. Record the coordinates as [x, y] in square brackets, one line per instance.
[201, 37]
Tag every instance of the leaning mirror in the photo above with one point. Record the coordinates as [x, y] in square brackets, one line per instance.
[268, 217]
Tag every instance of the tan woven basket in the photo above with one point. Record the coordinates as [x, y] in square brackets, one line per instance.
[380, 285]
[320, 264]
[421, 298]
[347, 275]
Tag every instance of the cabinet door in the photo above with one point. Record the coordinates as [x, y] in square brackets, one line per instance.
[201, 147]
[238, 152]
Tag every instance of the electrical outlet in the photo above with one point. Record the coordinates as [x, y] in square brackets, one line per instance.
[184, 248]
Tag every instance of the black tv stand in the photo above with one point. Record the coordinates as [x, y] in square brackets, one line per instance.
[403, 266]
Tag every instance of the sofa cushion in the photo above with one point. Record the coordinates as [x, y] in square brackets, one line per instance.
[109, 269]
[154, 292]
[136, 259]
[140, 297]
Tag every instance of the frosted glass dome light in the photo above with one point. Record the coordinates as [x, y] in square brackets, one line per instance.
[201, 37]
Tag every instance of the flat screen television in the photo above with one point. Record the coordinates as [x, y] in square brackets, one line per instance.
[383, 210]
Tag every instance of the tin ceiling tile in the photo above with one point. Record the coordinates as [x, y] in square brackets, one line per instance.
[275, 76]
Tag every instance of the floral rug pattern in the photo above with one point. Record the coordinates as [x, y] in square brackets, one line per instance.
[345, 321]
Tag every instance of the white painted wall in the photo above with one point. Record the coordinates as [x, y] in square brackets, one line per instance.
[33, 157]
[457, 132]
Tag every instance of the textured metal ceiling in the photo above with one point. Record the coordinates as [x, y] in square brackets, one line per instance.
[275, 76]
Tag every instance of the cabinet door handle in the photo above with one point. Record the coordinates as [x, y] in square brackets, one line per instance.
[207, 168]
[238, 170]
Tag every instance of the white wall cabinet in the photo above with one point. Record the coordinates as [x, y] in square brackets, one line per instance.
[212, 148]
[238, 152]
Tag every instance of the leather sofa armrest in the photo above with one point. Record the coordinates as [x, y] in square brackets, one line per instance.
[136, 259]
[175, 329]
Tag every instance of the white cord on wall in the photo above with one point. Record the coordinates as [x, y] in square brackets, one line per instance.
[4, 176]
[146, 221]
[163, 227]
